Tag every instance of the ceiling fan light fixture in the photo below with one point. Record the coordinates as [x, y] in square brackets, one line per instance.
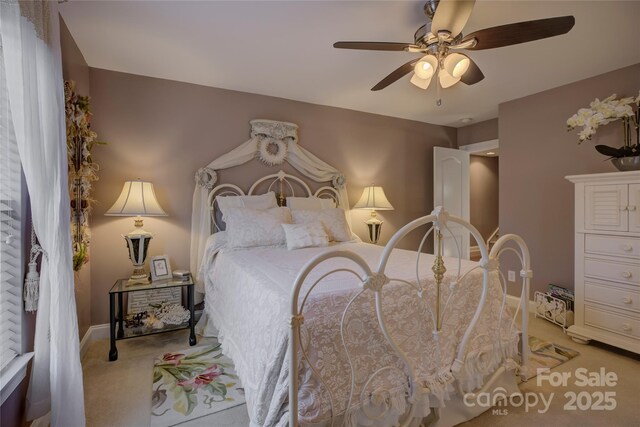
[446, 79]
[421, 83]
[456, 64]
[426, 67]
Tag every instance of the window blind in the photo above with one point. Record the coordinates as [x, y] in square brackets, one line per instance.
[10, 233]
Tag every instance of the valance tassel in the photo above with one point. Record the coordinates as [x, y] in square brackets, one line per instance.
[32, 281]
[31, 285]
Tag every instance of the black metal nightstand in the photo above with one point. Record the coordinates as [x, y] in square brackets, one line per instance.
[116, 311]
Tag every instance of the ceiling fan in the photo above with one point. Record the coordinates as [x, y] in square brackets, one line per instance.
[441, 39]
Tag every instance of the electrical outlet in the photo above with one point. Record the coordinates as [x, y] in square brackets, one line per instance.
[512, 276]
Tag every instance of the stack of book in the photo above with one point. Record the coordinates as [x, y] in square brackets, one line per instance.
[181, 275]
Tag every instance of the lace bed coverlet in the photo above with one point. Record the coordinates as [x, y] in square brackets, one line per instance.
[248, 300]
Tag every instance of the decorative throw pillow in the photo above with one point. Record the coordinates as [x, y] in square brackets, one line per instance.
[247, 227]
[333, 220]
[309, 203]
[305, 235]
[261, 202]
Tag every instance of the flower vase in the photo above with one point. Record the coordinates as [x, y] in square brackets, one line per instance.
[627, 163]
[624, 164]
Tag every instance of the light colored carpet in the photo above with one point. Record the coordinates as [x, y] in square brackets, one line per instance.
[118, 393]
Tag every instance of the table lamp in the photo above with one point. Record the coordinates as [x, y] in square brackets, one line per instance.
[373, 198]
[137, 199]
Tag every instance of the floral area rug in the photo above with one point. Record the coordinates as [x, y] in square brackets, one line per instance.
[193, 383]
[546, 355]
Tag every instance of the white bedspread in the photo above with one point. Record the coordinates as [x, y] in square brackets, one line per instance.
[247, 300]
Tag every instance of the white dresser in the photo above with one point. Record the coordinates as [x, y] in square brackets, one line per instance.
[607, 259]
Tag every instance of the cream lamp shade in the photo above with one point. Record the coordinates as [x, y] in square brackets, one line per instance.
[446, 79]
[373, 198]
[456, 64]
[426, 67]
[421, 83]
[138, 199]
[424, 70]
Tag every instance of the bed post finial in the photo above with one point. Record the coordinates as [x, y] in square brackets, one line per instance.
[439, 269]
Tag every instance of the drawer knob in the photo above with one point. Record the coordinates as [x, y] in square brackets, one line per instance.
[627, 300]
[626, 327]
[624, 208]
[627, 248]
[631, 208]
[627, 275]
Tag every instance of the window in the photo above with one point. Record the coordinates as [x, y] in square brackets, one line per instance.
[11, 263]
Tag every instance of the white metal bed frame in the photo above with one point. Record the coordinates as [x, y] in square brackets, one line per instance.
[375, 281]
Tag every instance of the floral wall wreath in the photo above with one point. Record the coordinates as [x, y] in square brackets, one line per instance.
[83, 171]
[273, 140]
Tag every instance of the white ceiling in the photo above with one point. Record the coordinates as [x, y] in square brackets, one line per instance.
[284, 49]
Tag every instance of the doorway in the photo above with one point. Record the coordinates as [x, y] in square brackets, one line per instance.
[484, 191]
[466, 184]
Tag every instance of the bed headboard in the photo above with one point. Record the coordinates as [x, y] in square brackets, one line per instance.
[282, 183]
[272, 143]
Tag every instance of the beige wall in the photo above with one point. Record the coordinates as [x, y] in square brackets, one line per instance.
[483, 189]
[163, 131]
[537, 152]
[478, 132]
[74, 67]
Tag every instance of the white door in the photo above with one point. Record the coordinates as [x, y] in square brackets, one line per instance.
[451, 190]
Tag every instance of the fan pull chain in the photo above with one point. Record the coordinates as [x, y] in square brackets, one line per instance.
[438, 96]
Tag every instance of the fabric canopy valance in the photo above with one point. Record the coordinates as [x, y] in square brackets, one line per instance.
[273, 143]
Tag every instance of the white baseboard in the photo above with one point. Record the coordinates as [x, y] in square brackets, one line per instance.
[93, 334]
[514, 302]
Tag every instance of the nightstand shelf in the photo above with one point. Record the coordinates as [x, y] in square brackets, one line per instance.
[117, 329]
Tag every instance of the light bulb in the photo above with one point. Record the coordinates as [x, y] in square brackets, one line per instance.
[456, 64]
[426, 67]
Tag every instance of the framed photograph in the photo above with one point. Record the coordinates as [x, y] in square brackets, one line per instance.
[160, 268]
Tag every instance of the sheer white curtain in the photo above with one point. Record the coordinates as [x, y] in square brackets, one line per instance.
[29, 32]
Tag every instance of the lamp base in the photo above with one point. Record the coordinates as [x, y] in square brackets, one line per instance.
[375, 226]
[138, 245]
[139, 276]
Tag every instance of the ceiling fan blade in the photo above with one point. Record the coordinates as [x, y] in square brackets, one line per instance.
[521, 32]
[473, 74]
[452, 16]
[372, 45]
[399, 72]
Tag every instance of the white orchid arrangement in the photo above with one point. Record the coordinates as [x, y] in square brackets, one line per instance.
[604, 112]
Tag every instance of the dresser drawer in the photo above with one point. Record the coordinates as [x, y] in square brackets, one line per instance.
[616, 297]
[612, 245]
[611, 321]
[609, 270]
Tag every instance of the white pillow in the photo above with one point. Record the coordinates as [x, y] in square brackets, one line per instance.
[247, 227]
[309, 203]
[305, 235]
[333, 220]
[263, 201]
